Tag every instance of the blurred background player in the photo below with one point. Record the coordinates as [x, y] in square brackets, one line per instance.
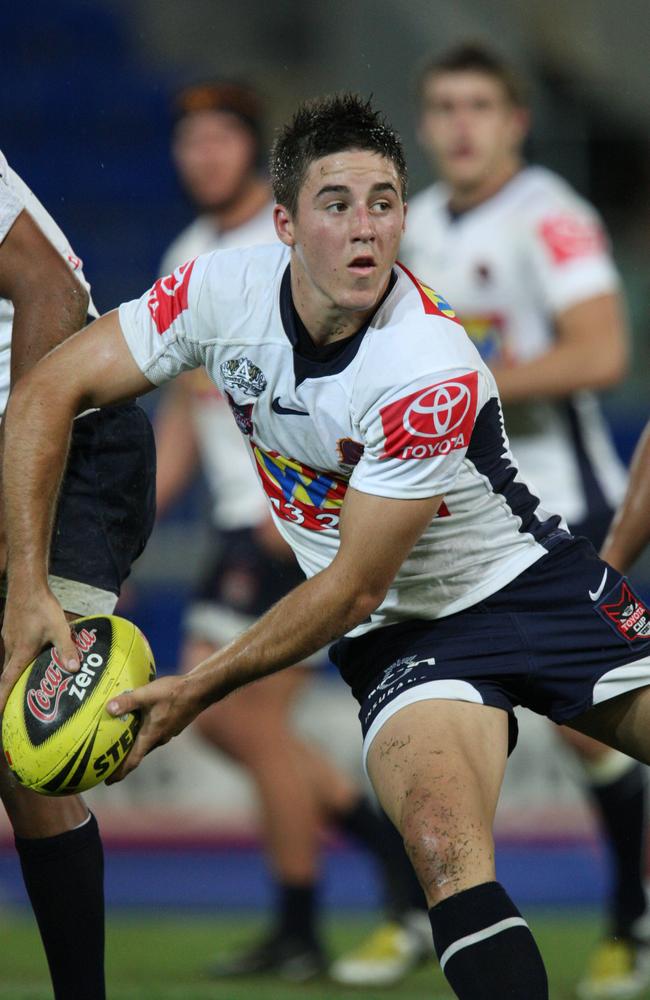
[104, 517]
[525, 263]
[629, 532]
[217, 145]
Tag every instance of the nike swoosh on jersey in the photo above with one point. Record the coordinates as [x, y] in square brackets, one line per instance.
[278, 408]
[596, 594]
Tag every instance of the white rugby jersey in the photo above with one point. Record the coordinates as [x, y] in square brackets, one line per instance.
[508, 267]
[405, 409]
[202, 236]
[237, 500]
[14, 197]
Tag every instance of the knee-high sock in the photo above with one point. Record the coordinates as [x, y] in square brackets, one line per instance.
[64, 878]
[485, 947]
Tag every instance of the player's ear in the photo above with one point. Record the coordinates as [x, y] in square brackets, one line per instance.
[283, 222]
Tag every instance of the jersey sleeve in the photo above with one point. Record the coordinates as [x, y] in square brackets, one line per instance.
[164, 327]
[10, 207]
[569, 253]
[415, 438]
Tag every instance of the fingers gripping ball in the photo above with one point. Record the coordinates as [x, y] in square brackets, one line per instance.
[57, 736]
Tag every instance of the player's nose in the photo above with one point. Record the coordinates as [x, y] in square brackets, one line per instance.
[362, 225]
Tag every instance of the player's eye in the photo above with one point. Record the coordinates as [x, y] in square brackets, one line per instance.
[381, 206]
[336, 206]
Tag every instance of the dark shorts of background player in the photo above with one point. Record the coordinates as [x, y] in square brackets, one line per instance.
[541, 641]
[107, 504]
[243, 576]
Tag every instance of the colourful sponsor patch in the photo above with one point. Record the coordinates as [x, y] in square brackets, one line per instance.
[486, 331]
[168, 298]
[300, 494]
[628, 615]
[568, 237]
[434, 304]
[432, 421]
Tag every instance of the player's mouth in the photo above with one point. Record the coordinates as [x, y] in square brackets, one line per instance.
[363, 265]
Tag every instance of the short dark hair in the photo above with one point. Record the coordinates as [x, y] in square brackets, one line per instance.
[232, 96]
[473, 57]
[330, 125]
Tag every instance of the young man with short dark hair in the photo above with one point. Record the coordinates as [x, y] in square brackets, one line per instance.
[376, 431]
[526, 263]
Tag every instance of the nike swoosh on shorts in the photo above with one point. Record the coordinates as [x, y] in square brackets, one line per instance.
[596, 594]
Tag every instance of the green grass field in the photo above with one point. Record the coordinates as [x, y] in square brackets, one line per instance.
[162, 957]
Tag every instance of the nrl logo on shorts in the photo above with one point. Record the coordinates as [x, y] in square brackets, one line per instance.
[397, 670]
[241, 373]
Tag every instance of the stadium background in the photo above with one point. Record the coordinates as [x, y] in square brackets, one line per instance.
[85, 121]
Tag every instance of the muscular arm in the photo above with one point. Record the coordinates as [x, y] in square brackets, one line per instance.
[315, 613]
[590, 352]
[50, 304]
[630, 529]
[92, 368]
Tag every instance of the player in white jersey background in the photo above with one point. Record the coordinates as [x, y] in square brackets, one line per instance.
[108, 494]
[217, 143]
[525, 262]
[377, 433]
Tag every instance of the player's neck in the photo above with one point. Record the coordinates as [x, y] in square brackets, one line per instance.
[324, 321]
[250, 200]
[464, 198]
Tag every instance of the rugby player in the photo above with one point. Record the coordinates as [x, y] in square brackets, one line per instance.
[104, 516]
[525, 262]
[452, 594]
[217, 143]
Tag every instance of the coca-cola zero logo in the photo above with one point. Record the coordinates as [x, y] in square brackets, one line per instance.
[432, 421]
[43, 701]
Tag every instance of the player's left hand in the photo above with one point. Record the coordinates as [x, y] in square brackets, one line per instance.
[166, 707]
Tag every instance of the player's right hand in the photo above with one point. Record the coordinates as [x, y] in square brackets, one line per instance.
[31, 622]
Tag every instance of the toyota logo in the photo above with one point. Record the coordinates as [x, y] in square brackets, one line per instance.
[436, 412]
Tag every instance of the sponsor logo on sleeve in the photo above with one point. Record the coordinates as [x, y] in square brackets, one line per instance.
[626, 613]
[169, 296]
[432, 421]
[568, 237]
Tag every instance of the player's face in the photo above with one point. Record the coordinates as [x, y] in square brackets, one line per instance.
[470, 127]
[214, 154]
[346, 231]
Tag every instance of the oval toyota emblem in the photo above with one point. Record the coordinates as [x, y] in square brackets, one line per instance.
[438, 411]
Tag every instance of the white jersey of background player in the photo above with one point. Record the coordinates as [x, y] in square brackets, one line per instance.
[15, 197]
[386, 397]
[508, 267]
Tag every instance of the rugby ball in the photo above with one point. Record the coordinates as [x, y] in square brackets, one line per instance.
[57, 737]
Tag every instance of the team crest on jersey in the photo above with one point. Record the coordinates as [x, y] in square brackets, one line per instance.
[168, 297]
[242, 374]
[350, 451]
[434, 304]
[626, 613]
[298, 493]
[433, 421]
[243, 414]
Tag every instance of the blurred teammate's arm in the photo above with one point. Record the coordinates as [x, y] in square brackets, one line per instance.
[315, 613]
[92, 368]
[630, 530]
[50, 304]
[590, 352]
[176, 445]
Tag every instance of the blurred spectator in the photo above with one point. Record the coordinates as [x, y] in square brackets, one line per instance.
[525, 263]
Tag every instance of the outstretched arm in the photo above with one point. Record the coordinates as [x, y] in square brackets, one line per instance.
[92, 368]
[630, 530]
[314, 614]
[590, 352]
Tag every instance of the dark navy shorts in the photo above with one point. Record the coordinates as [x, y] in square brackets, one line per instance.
[568, 633]
[241, 581]
[106, 507]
